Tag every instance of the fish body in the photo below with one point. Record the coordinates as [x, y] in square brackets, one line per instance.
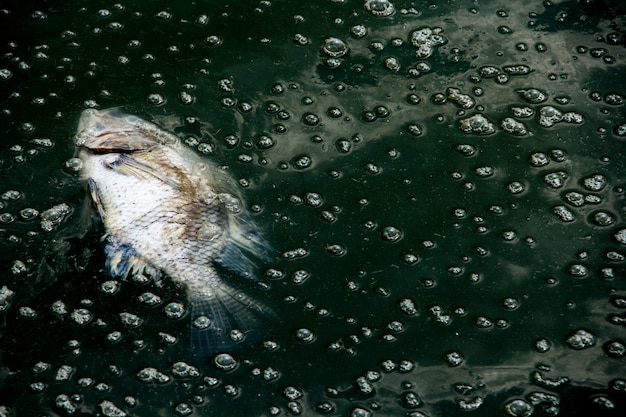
[166, 210]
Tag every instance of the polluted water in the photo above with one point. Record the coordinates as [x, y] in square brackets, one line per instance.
[440, 185]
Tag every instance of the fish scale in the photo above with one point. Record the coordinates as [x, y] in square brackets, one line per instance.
[165, 210]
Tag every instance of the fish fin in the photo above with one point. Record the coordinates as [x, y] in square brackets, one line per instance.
[127, 165]
[123, 260]
[223, 320]
[95, 196]
[245, 248]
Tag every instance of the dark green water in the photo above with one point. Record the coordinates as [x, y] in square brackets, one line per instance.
[507, 245]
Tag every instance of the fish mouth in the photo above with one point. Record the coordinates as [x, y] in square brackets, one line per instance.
[100, 150]
[109, 140]
[100, 140]
[112, 142]
[101, 123]
[110, 131]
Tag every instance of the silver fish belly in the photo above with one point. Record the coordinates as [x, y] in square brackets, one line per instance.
[167, 210]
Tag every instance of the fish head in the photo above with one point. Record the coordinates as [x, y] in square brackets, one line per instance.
[111, 131]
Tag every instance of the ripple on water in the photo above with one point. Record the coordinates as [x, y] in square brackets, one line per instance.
[426, 39]
[518, 408]
[379, 7]
[391, 234]
[225, 362]
[477, 124]
[581, 339]
[334, 47]
[513, 127]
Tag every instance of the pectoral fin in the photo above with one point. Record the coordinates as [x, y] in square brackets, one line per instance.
[127, 165]
[95, 196]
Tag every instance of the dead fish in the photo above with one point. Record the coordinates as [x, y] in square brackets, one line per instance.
[167, 210]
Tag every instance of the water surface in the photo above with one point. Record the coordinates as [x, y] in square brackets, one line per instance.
[443, 183]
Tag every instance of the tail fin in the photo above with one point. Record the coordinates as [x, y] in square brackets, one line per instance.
[225, 319]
